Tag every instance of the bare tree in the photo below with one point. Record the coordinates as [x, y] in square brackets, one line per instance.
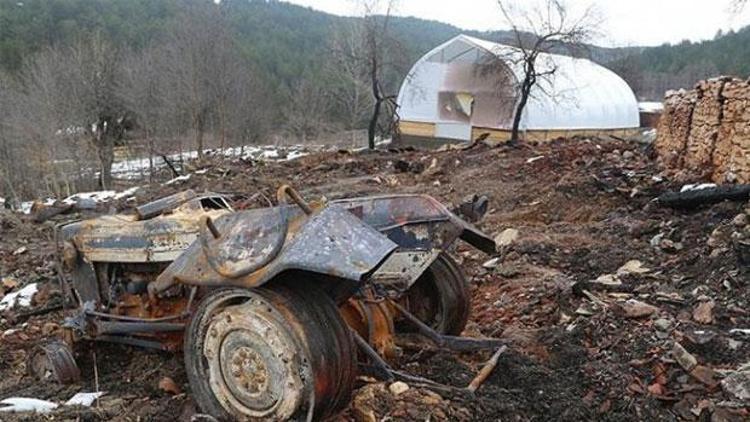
[306, 109]
[347, 76]
[543, 28]
[378, 53]
[198, 49]
[100, 112]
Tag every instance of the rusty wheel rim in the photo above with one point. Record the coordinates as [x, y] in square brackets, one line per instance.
[255, 366]
[54, 361]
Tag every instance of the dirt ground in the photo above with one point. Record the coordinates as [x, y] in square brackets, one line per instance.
[582, 209]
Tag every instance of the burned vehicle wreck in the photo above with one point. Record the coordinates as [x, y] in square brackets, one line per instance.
[275, 309]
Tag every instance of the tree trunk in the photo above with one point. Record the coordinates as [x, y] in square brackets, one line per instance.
[372, 127]
[106, 153]
[526, 86]
[198, 126]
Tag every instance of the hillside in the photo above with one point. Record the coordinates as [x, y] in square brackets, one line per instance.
[287, 41]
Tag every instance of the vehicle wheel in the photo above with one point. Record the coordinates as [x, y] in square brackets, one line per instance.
[268, 353]
[53, 360]
[440, 297]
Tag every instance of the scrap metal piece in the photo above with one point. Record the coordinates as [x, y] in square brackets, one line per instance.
[152, 209]
[455, 343]
[244, 241]
[473, 208]
[53, 361]
[332, 242]
[417, 222]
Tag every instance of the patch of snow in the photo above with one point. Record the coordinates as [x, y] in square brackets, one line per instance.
[10, 332]
[177, 180]
[20, 298]
[701, 186]
[651, 106]
[84, 399]
[23, 404]
[98, 196]
[533, 159]
[26, 207]
[127, 193]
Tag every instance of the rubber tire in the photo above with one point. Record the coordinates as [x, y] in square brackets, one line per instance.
[446, 287]
[315, 313]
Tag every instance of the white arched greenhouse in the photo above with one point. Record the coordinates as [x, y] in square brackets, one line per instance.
[459, 92]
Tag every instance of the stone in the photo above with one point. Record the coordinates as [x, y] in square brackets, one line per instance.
[737, 385]
[397, 388]
[687, 361]
[705, 375]
[9, 283]
[168, 385]
[491, 264]
[20, 251]
[703, 313]
[506, 238]
[636, 309]
[662, 324]
[608, 280]
[741, 220]
[633, 267]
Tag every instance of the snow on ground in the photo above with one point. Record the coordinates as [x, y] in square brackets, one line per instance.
[701, 186]
[138, 167]
[651, 106]
[177, 179]
[84, 399]
[25, 404]
[100, 196]
[20, 298]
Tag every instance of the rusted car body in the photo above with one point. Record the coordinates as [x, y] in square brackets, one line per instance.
[243, 292]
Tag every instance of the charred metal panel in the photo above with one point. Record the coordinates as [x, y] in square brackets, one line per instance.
[336, 243]
[404, 218]
[403, 268]
[247, 240]
[83, 276]
[384, 212]
[120, 238]
[333, 242]
[152, 209]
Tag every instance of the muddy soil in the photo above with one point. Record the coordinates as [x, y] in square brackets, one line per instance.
[582, 208]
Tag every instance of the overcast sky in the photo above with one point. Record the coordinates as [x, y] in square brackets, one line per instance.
[626, 22]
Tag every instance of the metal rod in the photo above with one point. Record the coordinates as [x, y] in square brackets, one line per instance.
[113, 327]
[459, 344]
[212, 227]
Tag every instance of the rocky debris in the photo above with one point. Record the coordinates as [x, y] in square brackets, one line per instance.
[703, 313]
[168, 385]
[376, 402]
[398, 388]
[737, 385]
[632, 267]
[506, 238]
[633, 308]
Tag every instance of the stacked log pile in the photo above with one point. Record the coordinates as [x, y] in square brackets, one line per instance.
[706, 131]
